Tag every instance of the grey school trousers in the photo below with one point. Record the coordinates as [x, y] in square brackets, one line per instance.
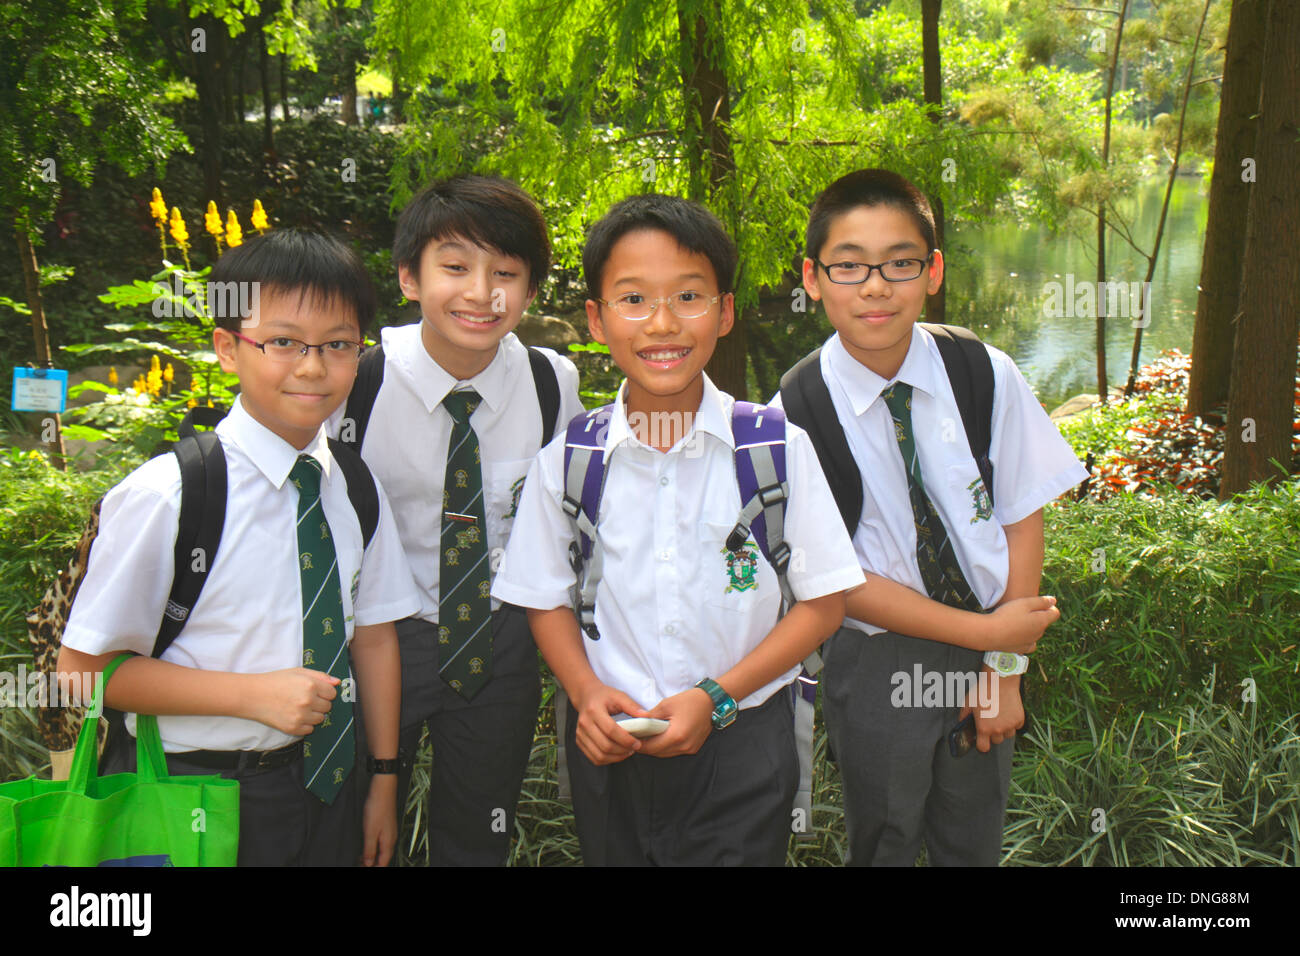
[480, 746]
[900, 783]
[728, 804]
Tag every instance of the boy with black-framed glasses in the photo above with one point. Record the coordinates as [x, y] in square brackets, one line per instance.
[941, 461]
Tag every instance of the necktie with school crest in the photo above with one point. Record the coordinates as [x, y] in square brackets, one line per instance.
[464, 604]
[943, 577]
[329, 750]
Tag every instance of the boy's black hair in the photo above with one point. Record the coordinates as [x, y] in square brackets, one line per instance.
[314, 264]
[868, 187]
[693, 227]
[490, 211]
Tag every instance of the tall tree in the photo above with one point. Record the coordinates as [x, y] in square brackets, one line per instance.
[1225, 229]
[1261, 399]
[932, 83]
[1103, 381]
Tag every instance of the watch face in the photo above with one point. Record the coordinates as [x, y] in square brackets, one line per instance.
[1006, 662]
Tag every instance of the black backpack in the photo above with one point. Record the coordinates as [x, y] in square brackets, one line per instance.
[807, 403]
[370, 376]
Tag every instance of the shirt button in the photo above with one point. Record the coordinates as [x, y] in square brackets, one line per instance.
[670, 629]
[665, 555]
[663, 480]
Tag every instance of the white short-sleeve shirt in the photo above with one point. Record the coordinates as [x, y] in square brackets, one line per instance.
[667, 609]
[1032, 464]
[407, 437]
[248, 619]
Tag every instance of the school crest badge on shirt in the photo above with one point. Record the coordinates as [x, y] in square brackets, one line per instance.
[980, 501]
[742, 567]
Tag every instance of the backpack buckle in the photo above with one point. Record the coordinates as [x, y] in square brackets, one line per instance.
[739, 535]
[571, 508]
[587, 620]
[781, 557]
[771, 495]
[575, 557]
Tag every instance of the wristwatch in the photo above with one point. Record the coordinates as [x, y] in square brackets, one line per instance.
[1005, 663]
[724, 708]
[374, 766]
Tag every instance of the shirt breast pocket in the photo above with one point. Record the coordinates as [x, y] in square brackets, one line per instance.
[503, 483]
[741, 581]
[971, 502]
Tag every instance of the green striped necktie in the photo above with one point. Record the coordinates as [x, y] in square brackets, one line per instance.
[329, 750]
[464, 604]
[944, 581]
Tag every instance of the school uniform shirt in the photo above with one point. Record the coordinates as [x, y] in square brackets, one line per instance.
[248, 620]
[1032, 464]
[673, 605]
[409, 431]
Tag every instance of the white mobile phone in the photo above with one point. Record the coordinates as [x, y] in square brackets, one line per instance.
[643, 726]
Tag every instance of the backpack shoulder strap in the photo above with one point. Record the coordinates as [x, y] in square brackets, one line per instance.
[759, 433]
[808, 404]
[361, 400]
[970, 371]
[584, 482]
[198, 534]
[548, 392]
[361, 488]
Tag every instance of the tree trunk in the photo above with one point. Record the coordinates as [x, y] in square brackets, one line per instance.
[1164, 206]
[935, 305]
[240, 57]
[1268, 326]
[1103, 380]
[40, 332]
[712, 163]
[349, 107]
[284, 88]
[1225, 230]
[264, 65]
[207, 81]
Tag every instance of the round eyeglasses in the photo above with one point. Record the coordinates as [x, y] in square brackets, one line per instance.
[638, 308]
[856, 273]
[281, 348]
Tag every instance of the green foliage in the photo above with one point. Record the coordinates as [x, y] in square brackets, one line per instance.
[71, 91]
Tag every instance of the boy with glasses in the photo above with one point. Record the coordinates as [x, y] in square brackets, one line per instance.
[259, 684]
[952, 565]
[684, 628]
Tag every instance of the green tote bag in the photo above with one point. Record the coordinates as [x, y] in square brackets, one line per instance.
[145, 818]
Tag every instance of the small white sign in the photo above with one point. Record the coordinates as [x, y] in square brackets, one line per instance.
[40, 390]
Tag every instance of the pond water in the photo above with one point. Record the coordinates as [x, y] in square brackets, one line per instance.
[997, 286]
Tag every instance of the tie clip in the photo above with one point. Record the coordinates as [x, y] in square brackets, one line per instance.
[456, 516]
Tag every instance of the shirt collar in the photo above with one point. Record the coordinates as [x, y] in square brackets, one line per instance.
[863, 386]
[432, 383]
[270, 454]
[712, 418]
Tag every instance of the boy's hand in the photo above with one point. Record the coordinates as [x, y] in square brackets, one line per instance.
[690, 721]
[1005, 714]
[601, 739]
[1017, 625]
[379, 820]
[293, 701]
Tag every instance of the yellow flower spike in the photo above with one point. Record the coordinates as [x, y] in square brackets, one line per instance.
[191, 404]
[153, 382]
[258, 218]
[234, 235]
[112, 375]
[178, 230]
[212, 220]
[154, 364]
[158, 208]
[169, 374]
[209, 403]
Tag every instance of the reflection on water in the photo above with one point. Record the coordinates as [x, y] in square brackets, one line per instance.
[997, 273]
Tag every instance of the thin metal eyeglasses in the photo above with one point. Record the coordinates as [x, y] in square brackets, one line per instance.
[281, 348]
[856, 273]
[685, 305]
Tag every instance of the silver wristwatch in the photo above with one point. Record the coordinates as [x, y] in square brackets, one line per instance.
[1005, 663]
